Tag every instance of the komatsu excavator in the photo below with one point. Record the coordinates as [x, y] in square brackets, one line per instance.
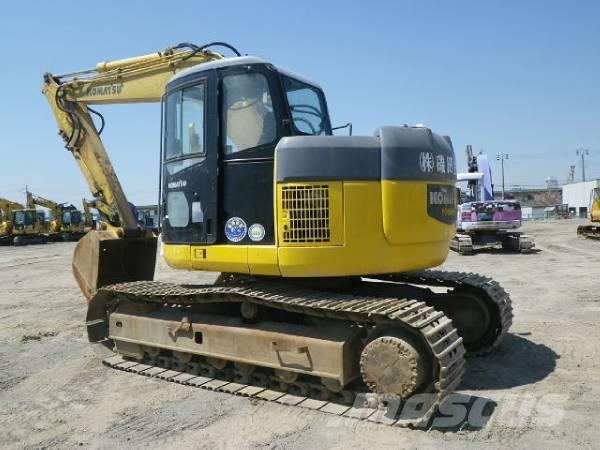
[6, 220]
[20, 225]
[321, 242]
[592, 231]
[67, 221]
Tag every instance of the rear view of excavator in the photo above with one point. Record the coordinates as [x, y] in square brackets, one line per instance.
[484, 222]
[6, 220]
[322, 242]
[592, 231]
[67, 221]
[20, 225]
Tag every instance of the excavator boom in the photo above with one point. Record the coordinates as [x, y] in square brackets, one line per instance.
[140, 79]
[105, 257]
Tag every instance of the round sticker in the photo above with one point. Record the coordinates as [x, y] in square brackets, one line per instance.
[256, 232]
[235, 229]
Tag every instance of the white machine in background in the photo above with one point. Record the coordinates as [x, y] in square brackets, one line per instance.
[483, 222]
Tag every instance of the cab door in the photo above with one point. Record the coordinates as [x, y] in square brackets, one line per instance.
[190, 161]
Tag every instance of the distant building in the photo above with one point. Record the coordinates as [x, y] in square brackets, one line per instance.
[577, 196]
[534, 197]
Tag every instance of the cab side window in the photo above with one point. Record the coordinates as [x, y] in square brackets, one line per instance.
[307, 108]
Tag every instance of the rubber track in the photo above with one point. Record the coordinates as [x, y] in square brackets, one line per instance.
[434, 327]
[486, 286]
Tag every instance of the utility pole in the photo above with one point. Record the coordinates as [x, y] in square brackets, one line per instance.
[582, 152]
[501, 157]
[571, 177]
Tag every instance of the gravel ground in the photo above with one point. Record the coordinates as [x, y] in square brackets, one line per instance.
[540, 389]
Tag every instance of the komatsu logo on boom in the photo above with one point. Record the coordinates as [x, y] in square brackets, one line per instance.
[111, 89]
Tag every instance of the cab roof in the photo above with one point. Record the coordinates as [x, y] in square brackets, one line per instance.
[240, 61]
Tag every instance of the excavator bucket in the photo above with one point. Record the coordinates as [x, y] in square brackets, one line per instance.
[102, 258]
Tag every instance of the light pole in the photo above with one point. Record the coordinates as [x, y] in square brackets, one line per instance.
[501, 157]
[582, 152]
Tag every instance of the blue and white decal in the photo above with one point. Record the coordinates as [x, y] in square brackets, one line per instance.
[235, 229]
[256, 232]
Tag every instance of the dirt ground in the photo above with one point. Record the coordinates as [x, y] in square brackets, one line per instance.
[541, 388]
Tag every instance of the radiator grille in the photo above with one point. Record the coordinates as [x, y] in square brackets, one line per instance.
[307, 208]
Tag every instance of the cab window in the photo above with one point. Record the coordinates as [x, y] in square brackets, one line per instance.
[307, 108]
[184, 127]
[248, 116]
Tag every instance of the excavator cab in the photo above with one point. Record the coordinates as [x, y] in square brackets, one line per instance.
[254, 182]
[222, 124]
[27, 227]
[71, 219]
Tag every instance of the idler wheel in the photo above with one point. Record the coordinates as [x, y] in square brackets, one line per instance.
[391, 365]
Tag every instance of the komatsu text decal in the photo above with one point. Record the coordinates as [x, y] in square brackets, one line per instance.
[111, 89]
[441, 202]
[177, 184]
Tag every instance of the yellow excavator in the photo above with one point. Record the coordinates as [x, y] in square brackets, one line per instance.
[321, 242]
[6, 220]
[592, 231]
[20, 225]
[67, 220]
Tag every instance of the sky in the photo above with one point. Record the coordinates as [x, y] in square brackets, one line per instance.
[513, 77]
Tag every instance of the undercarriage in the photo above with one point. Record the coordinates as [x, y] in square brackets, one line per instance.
[29, 239]
[467, 243]
[65, 236]
[381, 340]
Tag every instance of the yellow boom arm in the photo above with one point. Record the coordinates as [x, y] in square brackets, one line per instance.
[6, 206]
[87, 205]
[133, 80]
[103, 257]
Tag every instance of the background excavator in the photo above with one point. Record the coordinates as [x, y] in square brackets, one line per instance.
[320, 240]
[6, 220]
[484, 222]
[592, 231]
[67, 221]
[20, 225]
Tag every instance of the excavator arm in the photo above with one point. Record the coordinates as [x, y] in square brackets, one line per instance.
[87, 211]
[140, 79]
[103, 257]
[6, 206]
